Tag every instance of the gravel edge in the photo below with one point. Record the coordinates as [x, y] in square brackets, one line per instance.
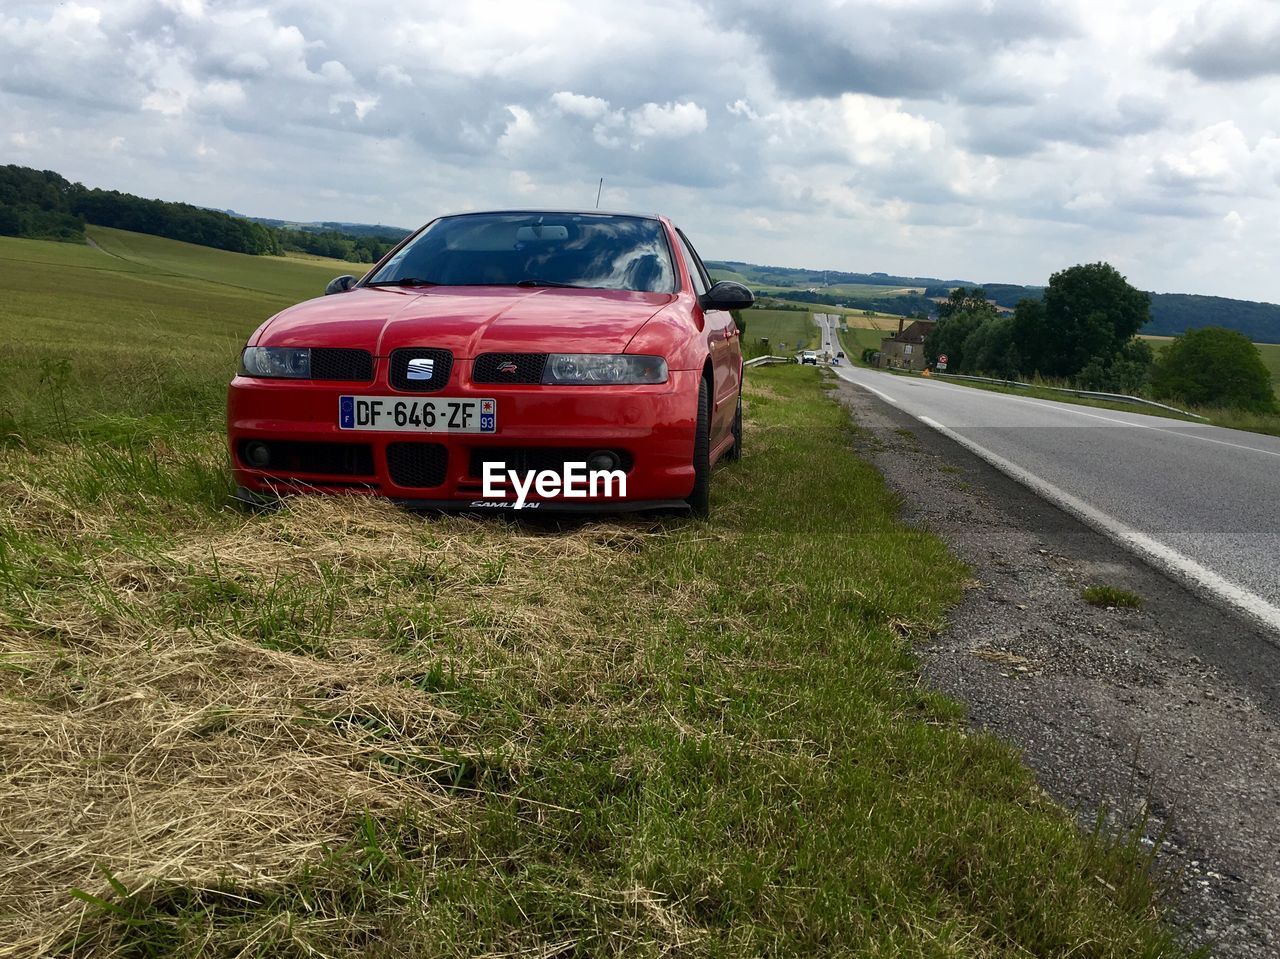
[1165, 718]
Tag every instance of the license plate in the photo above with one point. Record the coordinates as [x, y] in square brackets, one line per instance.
[396, 414]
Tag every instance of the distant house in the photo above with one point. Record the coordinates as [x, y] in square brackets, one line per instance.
[905, 349]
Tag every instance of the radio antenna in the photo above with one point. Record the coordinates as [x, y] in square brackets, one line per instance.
[599, 190]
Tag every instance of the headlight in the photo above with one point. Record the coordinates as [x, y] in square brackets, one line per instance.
[603, 369]
[276, 361]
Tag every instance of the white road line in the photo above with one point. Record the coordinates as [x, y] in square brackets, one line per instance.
[1158, 553]
[1072, 408]
[884, 396]
[1146, 426]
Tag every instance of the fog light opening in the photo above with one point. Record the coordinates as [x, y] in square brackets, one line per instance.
[603, 460]
[257, 454]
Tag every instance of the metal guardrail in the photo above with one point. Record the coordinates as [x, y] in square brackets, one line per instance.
[762, 360]
[1087, 394]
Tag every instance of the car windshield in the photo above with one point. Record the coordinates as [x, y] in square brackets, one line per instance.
[591, 251]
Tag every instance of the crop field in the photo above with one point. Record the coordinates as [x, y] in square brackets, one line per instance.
[339, 729]
[869, 320]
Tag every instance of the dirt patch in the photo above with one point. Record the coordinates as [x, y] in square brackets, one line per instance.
[1164, 718]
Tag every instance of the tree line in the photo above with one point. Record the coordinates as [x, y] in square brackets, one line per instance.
[1171, 313]
[41, 204]
[1083, 330]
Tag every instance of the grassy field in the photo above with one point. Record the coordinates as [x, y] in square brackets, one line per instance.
[107, 343]
[344, 730]
[859, 339]
[844, 289]
[717, 275]
[792, 327]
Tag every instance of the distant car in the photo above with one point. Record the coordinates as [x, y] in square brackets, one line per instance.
[840, 354]
[531, 339]
[809, 357]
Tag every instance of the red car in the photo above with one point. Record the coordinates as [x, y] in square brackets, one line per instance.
[549, 360]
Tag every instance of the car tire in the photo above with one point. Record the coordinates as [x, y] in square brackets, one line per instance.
[735, 451]
[700, 499]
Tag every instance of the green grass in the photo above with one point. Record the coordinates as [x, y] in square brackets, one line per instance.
[718, 275]
[843, 289]
[343, 730]
[1271, 357]
[794, 328]
[143, 329]
[1111, 596]
[292, 277]
[859, 339]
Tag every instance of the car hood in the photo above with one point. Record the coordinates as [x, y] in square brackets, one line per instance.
[468, 321]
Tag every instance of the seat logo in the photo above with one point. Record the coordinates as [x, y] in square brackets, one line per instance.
[422, 368]
[507, 366]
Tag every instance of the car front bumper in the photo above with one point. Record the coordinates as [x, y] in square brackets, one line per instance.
[650, 427]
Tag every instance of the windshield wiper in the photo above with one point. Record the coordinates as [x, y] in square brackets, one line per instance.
[405, 281]
[552, 283]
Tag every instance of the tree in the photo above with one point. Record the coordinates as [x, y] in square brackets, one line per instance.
[10, 221]
[1214, 367]
[990, 349]
[948, 338]
[1031, 334]
[960, 315]
[966, 301]
[1127, 371]
[1090, 311]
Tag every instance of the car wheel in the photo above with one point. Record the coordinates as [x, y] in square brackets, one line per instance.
[735, 451]
[700, 499]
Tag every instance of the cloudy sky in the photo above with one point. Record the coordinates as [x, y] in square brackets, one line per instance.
[977, 139]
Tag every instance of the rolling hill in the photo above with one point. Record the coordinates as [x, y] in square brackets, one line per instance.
[1171, 313]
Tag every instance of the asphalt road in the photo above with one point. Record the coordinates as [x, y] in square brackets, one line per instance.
[1200, 502]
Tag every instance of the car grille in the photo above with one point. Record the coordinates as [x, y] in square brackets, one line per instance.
[419, 465]
[525, 458]
[509, 368]
[439, 363]
[332, 363]
[333, 459]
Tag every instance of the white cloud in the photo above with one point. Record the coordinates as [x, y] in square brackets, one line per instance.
[520, 133]
[669, 120]
[986, 140]
[395, 76]
[577, 105]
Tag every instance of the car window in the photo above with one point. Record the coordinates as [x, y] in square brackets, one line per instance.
[700, 281]
[594, 251]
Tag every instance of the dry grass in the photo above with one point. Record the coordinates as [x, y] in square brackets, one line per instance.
[151, 730]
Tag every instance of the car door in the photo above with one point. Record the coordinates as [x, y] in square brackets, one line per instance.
[722, 343]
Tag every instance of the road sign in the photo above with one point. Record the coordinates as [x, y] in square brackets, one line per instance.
[942, 359]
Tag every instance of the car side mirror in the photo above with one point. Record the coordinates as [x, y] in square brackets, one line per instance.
[340, 284]
[727, 295]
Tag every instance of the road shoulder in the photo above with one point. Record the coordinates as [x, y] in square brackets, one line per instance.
[1166, 716]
